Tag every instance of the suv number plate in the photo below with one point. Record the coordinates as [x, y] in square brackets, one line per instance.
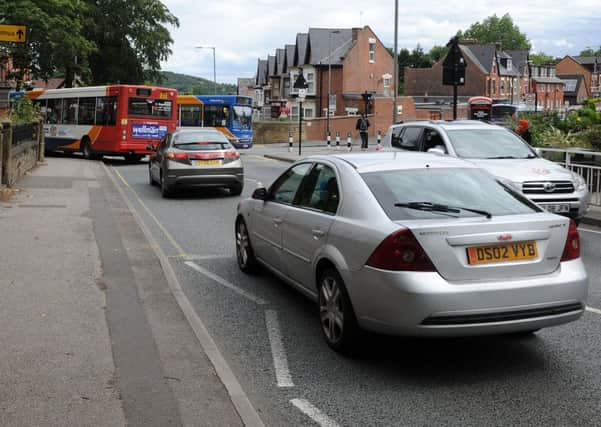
[560, 208]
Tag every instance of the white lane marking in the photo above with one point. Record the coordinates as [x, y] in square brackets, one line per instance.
[225, 283]
[249, 415]
[593, 310]
[280, 362]
[192, 257]
[315, 414]
[586, 230]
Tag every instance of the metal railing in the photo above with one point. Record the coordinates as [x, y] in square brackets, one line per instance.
[585, 163]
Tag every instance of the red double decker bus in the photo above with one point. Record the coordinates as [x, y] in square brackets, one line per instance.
[106, 120]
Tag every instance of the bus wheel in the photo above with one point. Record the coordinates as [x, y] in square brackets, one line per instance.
[85, 148]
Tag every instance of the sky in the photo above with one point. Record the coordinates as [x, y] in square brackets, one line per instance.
[244, 30]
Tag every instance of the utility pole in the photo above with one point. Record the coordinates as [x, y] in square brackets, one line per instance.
[396, 62]
[329, 83]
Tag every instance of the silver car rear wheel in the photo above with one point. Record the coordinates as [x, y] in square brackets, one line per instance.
[338, 322]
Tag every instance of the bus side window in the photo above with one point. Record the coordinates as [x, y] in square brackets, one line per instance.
[106, 110]
[87, 107]
[54, 111]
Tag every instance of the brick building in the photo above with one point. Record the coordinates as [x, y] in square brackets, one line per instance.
[359, 64]
[503, 75]
[548, 89]
[589, 67]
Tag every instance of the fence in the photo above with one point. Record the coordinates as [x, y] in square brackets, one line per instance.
[21, 147]
[585, 163]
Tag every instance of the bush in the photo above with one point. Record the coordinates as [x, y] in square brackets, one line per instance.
[23, 111]
[592, 137]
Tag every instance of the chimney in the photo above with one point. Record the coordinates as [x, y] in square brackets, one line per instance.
[356, 34]
[498, 46]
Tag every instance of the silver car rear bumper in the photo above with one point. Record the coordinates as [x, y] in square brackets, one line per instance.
[209, 177]
[425, 304]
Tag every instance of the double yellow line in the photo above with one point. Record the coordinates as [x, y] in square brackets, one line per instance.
[181, 252]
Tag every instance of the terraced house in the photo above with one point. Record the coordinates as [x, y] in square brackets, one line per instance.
[346, 63]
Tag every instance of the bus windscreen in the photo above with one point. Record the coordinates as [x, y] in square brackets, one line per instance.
[242, 117]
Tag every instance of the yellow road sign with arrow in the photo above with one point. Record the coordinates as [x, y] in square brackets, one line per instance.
[13, 33]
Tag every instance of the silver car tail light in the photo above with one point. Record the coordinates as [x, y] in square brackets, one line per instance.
[572, 248]
[230, 156]
[401, 252]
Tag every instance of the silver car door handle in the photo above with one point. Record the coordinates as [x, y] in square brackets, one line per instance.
[277, 221]
[318, 233]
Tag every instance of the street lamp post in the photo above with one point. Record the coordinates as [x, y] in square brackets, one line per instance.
[214, 67]
[396, 61]
[329, 82]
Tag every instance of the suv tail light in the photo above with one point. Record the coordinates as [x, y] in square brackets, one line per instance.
[400, 252]
[572, 248]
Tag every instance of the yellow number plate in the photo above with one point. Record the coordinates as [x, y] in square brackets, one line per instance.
[207, 162]
[502, 253]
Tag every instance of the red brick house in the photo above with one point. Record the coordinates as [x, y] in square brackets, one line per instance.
[359, 63]
[503, 75]
[587, 66]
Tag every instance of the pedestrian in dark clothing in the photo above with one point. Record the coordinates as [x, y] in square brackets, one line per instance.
[362, 126]
[522, 130]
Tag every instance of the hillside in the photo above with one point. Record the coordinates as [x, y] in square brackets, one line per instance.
[193, 85]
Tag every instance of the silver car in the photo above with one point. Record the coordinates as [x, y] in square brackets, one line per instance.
[502, 153]
[195, 158]
[412, 244]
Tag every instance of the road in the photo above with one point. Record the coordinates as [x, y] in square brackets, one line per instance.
[270, 336]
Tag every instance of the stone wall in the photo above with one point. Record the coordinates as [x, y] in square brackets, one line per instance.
[273, 132]
[21, 148]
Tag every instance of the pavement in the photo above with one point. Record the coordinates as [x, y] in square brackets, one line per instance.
[91, 334]
[284, 153]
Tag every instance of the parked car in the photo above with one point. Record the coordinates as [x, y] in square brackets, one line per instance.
[502, 153]
[195, 158]
[412, 244]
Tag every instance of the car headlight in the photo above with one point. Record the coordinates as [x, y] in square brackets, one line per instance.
[517, 186]
[579, 182]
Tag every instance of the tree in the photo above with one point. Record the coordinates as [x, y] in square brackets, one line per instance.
[591, 52]
[540, 58]
[494, 29]
[438, 52]
[132, 39]
[54, 38]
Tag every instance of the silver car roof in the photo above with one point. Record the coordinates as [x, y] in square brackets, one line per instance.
[395, 160]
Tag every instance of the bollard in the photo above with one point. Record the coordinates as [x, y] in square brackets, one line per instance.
[337, 140]
[349, 145]
[290, 141]
[329, 140]
[379, 144]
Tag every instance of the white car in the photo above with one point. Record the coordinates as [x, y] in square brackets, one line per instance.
[502, 153]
